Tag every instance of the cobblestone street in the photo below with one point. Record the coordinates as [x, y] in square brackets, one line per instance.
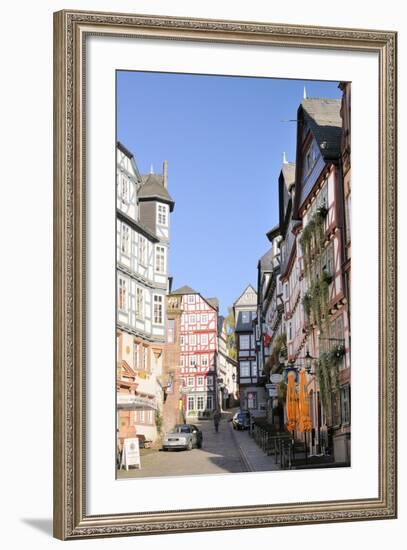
[225, 451]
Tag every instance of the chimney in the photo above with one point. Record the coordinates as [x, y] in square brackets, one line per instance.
[165, 174]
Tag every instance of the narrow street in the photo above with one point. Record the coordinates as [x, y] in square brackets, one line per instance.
[219, 454]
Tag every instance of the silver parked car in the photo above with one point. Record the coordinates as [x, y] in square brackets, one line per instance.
[183, 436]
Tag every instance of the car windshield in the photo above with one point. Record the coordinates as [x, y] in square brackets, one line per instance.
[182, 429]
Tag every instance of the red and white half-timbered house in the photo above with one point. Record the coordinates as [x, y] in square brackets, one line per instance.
[198, 352]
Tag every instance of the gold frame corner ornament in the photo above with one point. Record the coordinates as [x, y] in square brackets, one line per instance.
[70, 31]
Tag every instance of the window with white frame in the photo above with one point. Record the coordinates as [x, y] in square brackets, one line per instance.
[209, 381]
[345, 404]
[160, 259]
[192, 361]
[158, 309]
[125, 190]
[192, 339]
[142, 250]
[145, 357]
[135, 355]
[252, 400]
[244, 369]
[200, 403]
[191, 298]
[190, 381]
[200, 381]
[140, 415]
[125, 239]
[181, 361]
[204, 318]
[191, 403]
[181, 340]
[192, 319]
[244, 341]
[171, 331]
[204, 339]
[161, 214]
[122, 298]
[209, 402]
[204, 360]
[139, 302]
[254, 368]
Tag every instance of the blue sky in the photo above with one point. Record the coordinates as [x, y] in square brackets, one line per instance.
[223, 138]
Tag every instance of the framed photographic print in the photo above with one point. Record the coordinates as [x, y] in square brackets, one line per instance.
[225, 274]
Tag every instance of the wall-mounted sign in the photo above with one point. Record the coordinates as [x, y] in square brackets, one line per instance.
[276, 378]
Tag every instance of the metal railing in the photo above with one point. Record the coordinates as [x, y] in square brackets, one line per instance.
[281, 446]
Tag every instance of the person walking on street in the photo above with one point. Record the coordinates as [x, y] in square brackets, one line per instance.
[216, 420]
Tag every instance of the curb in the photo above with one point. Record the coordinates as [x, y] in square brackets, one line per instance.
[243, 456]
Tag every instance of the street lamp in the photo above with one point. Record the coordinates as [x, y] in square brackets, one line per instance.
[308, 362]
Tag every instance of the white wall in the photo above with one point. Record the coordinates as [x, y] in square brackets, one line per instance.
[26, 124]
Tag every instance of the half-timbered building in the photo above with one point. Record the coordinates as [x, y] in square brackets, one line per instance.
[251, 380]
[319, 206]
[198, 352]
[142, 219]
[303, 303]
[226, 369]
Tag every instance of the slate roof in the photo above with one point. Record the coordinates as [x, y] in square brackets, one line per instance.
[273, 232]
[221, 320]
[240, 326]
[214, 302]
[153, 188]
[288, 171]
[184, 290]
[266, 261]
[325, 122]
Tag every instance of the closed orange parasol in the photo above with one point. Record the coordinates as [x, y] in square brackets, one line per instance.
[291, 402]
[304, 421]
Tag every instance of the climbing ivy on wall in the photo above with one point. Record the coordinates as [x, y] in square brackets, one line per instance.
[315, 301]
[312, 239]
[328, 372]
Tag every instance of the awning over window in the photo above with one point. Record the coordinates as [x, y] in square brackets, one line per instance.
[129, 402]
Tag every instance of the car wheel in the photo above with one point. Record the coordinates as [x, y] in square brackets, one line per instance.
[189, 446]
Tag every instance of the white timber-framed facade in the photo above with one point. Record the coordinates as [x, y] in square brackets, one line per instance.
[143, 207]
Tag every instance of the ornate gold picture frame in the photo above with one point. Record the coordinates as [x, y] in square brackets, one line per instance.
[71, 31]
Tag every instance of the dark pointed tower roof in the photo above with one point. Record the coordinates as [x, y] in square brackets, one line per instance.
[153, 188]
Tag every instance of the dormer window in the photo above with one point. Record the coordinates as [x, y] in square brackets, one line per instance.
[161, 214]
[245, 317]
[310, 159]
